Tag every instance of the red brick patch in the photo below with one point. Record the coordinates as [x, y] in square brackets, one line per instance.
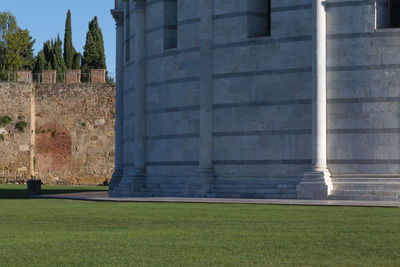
[53, 147]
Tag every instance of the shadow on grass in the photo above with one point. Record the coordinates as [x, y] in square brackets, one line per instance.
[13, 193]
[20, 192]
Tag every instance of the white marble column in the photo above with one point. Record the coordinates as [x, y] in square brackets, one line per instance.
[118, 15]
[206, 93]
[319, 88]
[140, 88]
[317, 184]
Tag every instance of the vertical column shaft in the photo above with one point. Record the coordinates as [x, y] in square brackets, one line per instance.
[319, 87]
[32, 133]
[140, 87]
[118, 170]
[317, 183]
[206, 88]
[119, 99]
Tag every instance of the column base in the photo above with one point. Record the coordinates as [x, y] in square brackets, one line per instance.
[130, 184]
[115, 181]
[206, 172]
[316, 184]
[201, 186]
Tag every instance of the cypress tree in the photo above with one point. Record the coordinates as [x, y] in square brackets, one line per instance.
[47, 47]
[76, 64]
[42, 60]
[93, 55]
[57, 61]
[69, 50]
[40, 64]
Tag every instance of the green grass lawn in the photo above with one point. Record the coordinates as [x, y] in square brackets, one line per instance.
[48, 232]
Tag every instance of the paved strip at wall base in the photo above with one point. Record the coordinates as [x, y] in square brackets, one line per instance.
[103, 196]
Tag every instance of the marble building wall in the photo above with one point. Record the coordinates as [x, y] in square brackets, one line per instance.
[363, 91]
[262, 90]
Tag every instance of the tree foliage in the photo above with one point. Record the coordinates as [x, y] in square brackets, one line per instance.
[40, 64]
[50, 58]
[69, 49]
[76, 64]
[16, 49]
[71, 57]
[57, 60]
[93, 55]
[47, 50]
[43, 59]
[16, 45]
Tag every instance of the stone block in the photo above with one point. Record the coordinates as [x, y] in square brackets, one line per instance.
[99, 122]
[230, 30]
[49, 76]
[98, 75]
[188, 10]
[310, 190]
[24, 76]
[186, 36]
[24, 148]
[155, 42]
[73, 76]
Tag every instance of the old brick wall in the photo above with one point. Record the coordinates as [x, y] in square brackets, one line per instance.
[14, 145]
[74, 133]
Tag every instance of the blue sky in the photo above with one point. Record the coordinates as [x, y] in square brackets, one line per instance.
[46, 18]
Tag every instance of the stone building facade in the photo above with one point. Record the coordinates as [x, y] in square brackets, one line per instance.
[258, 98]
[68, 137]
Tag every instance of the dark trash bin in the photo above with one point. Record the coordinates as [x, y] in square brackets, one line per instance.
[34, 187]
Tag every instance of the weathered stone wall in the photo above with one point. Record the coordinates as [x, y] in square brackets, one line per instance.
[15, 101]
[77, 123]
[74, 133]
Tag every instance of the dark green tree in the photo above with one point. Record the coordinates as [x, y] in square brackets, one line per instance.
[43, 59]
[40, 64]
[57, 60]
[16, 52]
[25, 41]
[76, 64]
[47, 50]
[72, 58]
[93, 55]
[50, 58]
[69, 50]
